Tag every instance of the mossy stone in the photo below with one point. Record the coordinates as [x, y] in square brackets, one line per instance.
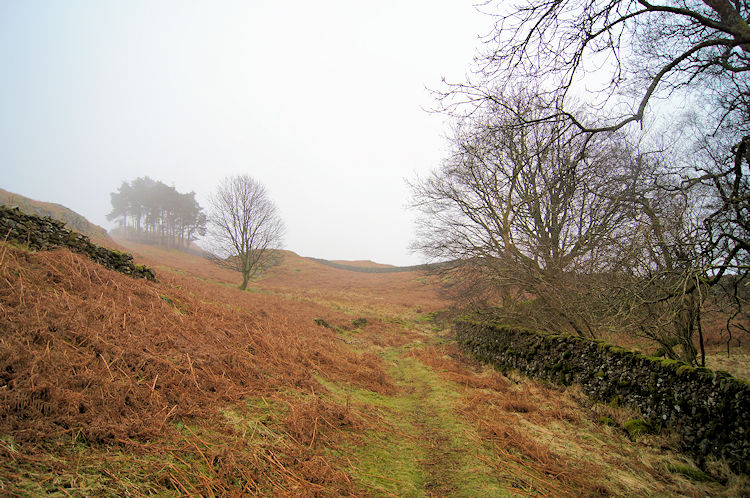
[636, 427]
[684, 369]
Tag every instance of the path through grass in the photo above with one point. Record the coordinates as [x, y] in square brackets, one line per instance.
[455, 428]
[421, 447]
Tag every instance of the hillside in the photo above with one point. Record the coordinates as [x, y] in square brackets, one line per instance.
[73, 220]
[368, 266]
[316, 382]
[362, 263]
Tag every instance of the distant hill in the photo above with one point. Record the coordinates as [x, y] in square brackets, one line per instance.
[73, 220]
[369, 266]
[361, 263]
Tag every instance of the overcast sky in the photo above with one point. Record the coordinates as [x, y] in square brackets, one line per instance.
[321, 101]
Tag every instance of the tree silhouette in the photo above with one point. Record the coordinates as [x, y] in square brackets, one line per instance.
[150, 211]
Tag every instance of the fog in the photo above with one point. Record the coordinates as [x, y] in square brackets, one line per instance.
[322, 102]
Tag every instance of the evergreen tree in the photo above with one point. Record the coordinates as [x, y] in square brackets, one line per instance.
[151, 211]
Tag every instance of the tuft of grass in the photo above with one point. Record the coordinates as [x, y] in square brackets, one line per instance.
[690, 472]
[636, 427]
[604, 420]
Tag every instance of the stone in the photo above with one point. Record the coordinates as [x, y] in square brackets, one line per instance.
[41, 234]
[711, 412]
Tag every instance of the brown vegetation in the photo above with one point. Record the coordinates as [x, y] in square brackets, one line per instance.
[90, 352]
[190, 386]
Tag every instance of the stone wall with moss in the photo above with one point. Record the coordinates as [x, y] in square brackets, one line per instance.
[41, 234]
[72, 220]
[710, 410]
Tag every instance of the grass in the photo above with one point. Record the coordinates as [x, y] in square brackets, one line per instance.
[63, 469]
[244, 393]
[419, 444]
[690, 472]
[737, 362]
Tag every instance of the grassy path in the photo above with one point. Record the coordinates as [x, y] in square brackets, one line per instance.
[454, 428]
[423, 449]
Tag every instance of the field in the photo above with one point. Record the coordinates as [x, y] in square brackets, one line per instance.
[314, 382]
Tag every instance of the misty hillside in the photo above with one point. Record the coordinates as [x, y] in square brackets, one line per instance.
[470, 249]
[317, 381]
[73, 220]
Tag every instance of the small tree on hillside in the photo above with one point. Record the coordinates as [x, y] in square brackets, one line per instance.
[244, 226]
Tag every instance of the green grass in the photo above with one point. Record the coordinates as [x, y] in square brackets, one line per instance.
[69, 467]
[385, 461]
[422, 447]
[636, 428]
[690, 472]
[260, 423]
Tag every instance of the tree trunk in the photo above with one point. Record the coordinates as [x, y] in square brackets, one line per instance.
[245, 280]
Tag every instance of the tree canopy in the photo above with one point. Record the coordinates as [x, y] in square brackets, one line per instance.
[150, 211]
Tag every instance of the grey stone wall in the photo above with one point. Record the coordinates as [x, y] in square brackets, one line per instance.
[46, 233]
[709, 410]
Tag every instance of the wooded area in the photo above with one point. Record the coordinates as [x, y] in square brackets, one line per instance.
[150, 211]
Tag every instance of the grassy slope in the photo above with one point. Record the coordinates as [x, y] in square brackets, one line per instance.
[362, 263]
[73, 220]
[210, 390]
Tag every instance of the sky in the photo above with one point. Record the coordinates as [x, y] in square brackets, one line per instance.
[323, 102]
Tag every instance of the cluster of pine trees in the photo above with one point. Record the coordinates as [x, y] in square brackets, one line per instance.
[150, 211]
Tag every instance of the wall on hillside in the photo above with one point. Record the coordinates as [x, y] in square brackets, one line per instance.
[46, 233]
[72, 220]
[710, 410]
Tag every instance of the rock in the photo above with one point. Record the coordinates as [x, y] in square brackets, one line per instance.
[710, 411]
[41, 234]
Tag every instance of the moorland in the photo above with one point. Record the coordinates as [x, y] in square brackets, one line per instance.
[315, 381]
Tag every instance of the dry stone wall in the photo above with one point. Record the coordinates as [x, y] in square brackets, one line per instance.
[710, 410]
[46, 233]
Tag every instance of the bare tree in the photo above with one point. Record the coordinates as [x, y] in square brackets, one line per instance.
[618, 57]
[566, 230]
[244, 226]
[659, 291]
[724, 173]
[622, 53]
[603, 65]
[537, 210]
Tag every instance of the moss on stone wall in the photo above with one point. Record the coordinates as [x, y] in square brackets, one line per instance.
[45, 233]
[710, 410]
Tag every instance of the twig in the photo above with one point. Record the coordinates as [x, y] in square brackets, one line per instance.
[5, 246]
[315, 431]
[192, 371]
[167, 416]
[205, 459]
[112, 377]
